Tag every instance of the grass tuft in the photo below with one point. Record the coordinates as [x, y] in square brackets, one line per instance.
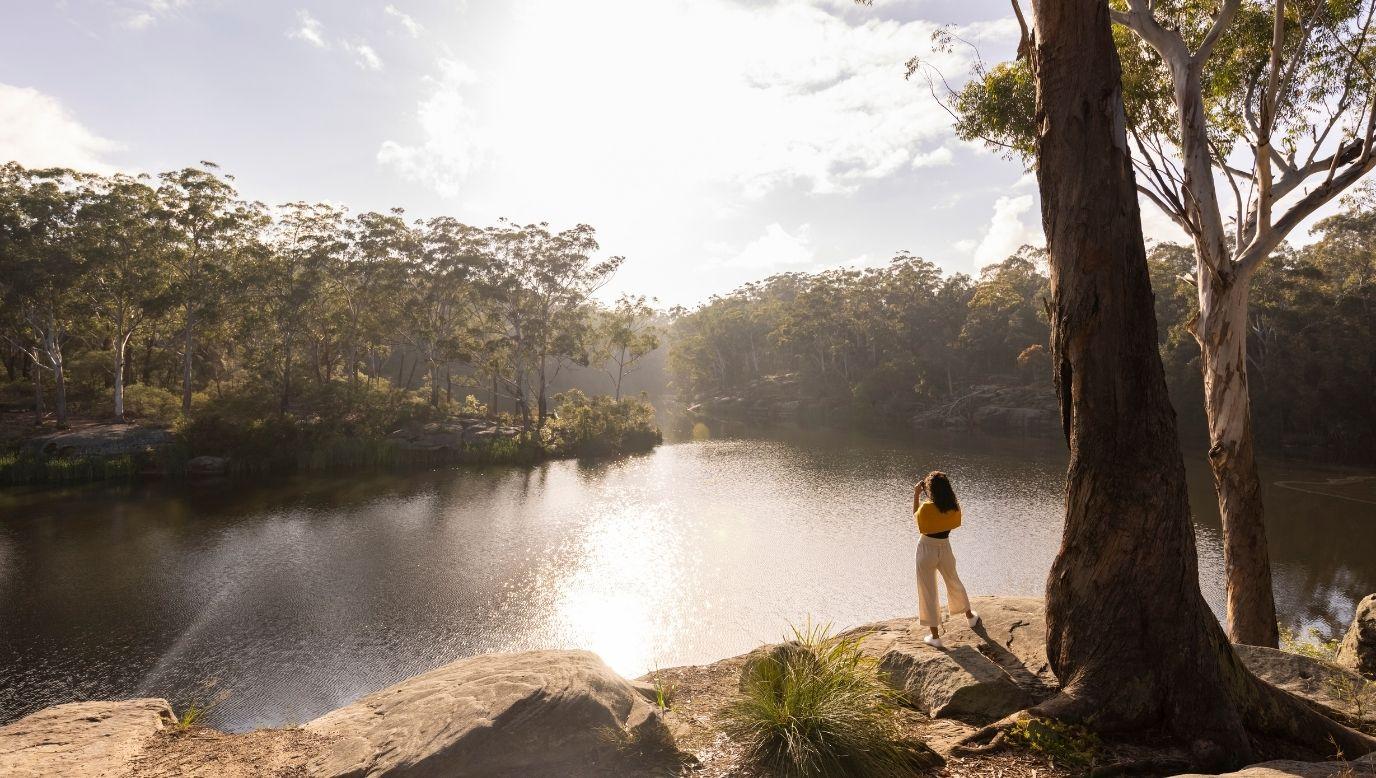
[816, 706]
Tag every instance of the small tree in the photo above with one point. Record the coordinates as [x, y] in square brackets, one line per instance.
[626, 333]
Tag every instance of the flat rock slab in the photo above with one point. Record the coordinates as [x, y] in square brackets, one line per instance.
[534, 713]
[1284, 768]
[982, 675]
[1313, 679]
[81, 739]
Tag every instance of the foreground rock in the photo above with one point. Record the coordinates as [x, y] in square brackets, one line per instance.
[1366, 766]
[1358, 649]
[536, 713]
[984, 674]
[81, 739]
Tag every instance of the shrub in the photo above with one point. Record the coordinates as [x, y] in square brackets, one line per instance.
[149, 403]
[816, 706]
[591, 426]
[1066, 745]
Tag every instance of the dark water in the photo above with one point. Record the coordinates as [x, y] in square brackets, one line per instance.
[286, 599]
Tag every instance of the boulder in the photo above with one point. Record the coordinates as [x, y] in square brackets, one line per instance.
[81, 739]
[1358, 649]
[206, 466]
[1284, 768]
[1307, 677]
[534, 713]
[103, 440]
[982, 675]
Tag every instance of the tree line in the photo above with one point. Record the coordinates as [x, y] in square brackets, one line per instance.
[892, 341]
[178, 283]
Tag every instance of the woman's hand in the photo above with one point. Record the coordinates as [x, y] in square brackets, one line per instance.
[918, 490]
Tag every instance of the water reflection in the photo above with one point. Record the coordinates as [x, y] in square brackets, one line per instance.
[292, 597]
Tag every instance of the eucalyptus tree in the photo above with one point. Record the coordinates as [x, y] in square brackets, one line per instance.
[370, 281]
[626, 332]
[212, 232]
[39, 268]
[1277, 100]
[443, 302]
[122, 241]
[539, 283]
[1129, 635]
[290, 276]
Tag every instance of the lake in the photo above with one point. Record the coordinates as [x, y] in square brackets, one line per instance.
[283, 599]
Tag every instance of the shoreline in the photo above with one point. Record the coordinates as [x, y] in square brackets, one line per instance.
[498, 713]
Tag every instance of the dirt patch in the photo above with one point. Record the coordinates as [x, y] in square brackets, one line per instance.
[207, 753]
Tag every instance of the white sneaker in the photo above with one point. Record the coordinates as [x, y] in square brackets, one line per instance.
[972, 620]
[934, 642]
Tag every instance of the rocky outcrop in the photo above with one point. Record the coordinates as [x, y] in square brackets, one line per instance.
[81, 739]
[103, 440]
[1284, 768]
[206, 467]
[997, 409]
[453, 435]
[1357, 652]
[535, 713]
[984, 674]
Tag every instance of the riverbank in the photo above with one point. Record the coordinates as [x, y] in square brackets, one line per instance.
[396, 435]
[567, 713]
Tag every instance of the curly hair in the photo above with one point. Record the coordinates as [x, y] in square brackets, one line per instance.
[939, 487]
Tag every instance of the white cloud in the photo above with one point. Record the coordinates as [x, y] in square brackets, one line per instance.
[934, 158]
[453, 142]
[775, 249]
[145, 13]
[36, 130]
[411, 25]
[792, 96]
[964, 246]
[1007, 232]
[364, 55]
[309, 29]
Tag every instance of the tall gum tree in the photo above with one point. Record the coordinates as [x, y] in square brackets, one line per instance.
[1275, 100]
[1129, 634]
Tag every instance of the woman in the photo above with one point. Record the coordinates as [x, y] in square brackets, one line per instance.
[935, 518]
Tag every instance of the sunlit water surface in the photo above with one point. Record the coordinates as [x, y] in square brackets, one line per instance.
[285, 599]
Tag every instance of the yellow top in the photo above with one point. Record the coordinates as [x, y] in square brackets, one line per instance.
[930, 520]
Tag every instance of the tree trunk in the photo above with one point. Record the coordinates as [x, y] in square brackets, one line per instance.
[52, 344]
[286, 376]
[37, 376]
[1128, 632]
[542, 403]
[121, 342]
[1222, 333]
[147, 375]
[188, 348]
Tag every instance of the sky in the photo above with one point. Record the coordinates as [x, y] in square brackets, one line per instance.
[709, 142]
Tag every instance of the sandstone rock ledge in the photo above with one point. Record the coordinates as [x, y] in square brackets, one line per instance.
[565, 713]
